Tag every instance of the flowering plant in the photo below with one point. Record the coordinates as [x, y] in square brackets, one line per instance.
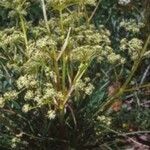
[45, 66]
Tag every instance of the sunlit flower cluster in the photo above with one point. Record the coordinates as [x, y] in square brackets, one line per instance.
[51, 114]
[2, 102]
[10, 95]
[49, 93]
[45, 42]
[115, 58]
[124, 2]
[85, 85]
[26, 108]
[104, 119]
[131, 25]
[26, 81]
[9, 37]
[29, 95]
[134, 47]
[14, 142]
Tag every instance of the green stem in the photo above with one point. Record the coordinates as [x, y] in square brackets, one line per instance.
[56, 69]
[61, 20]
[24, 30]
[137, 88]
[81, 71]
[94, 11]
[45, 16]
[61, 116]
[64, 72]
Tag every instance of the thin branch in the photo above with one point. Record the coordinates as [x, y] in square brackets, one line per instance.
[93, 13]
[64, 45]
[137, 132]
[145, 74]
[126, 135]
[45, 15]
[137, 88]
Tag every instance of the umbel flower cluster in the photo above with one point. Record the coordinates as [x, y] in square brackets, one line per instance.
[134, 47]
[131, 25]
[124, 2]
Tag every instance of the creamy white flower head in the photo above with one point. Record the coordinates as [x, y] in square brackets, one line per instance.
[26, 108]
[106, 120]
[10, 95]
[134, 47]
[39, 101]
[124, 2]
[45, 41]
[37, 98]
[53, 75]
[113, 58]
[89, 89]
[15, 139]
[123, 60]
[29, 95]
[51, 114]
[91, 2]
[26, 81]
[2, 102]
[79, 85]
[49, 93]
[14, 142]
[101, 118]
[87, 79]
[33, 83]
[60, 95]
[131, 25]
[22, 81]
[136, 44]
[49, 85]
